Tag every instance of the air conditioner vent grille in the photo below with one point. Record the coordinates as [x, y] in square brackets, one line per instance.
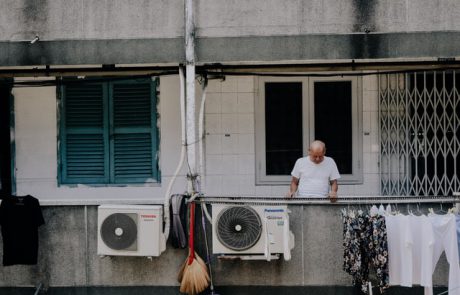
[119, 231]
[239, 228]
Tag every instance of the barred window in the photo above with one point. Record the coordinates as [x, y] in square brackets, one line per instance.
[420, 133]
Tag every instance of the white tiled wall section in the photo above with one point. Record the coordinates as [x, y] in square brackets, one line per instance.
[230, 155]
[371, 181]
[230, 146]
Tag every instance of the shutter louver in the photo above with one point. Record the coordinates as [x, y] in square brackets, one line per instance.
[132, 105]
[133, 156]
[85, 148]
[85, 156]
[132, 123]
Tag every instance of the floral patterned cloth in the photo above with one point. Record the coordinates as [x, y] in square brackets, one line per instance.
[365, 246]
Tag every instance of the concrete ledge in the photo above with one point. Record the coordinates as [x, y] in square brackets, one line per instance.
[221, 290]
[234, 49]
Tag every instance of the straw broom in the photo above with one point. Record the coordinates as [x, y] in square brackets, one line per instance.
[193, 275]
[198, 258]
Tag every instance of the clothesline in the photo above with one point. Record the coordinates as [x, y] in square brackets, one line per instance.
[341, 200]
[410, 244]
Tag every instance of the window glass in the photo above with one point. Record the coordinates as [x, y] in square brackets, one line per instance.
[292, 112]
[283, 128]
[333, 122]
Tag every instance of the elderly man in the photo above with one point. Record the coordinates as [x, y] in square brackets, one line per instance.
[315, 175]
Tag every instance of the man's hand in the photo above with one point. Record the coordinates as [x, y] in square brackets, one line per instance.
[289, 195]
[332, 197]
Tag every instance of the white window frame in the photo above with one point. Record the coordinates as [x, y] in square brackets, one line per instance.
[308, 126]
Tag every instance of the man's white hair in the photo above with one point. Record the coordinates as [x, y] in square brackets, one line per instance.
[318, 144]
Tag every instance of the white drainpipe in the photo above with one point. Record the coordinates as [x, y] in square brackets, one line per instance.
[190, 95]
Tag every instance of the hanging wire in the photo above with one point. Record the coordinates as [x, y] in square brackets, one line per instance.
[203, 71]
[350, 200]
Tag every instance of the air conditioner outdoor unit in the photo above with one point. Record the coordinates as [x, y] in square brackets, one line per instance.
[130, 230]
[251, 232]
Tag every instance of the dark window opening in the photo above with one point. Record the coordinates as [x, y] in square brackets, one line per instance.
[5, 142]
[333, 121]
[283, 126]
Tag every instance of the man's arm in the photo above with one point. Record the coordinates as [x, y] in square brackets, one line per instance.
[293, 187]
[334, 189]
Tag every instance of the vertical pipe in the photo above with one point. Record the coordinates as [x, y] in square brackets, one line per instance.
[201, 136]
[190, 91]
[166, 217]
[379, 130]
[86, 247]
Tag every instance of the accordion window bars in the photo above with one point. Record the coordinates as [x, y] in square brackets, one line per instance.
[419, 123]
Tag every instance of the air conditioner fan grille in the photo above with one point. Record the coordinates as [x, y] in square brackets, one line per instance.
[119, 231]
[239, 227]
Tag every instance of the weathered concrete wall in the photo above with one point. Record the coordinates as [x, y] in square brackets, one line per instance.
[67, 256]
[91, 19]
[68, 240]
[139, 31]
[66, 20]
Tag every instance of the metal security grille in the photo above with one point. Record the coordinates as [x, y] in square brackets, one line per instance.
[419, 117]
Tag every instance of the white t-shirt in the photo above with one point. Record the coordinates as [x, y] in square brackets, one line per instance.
[400, 245]
[314, 178]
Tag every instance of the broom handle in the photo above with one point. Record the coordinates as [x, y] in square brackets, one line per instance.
[191, 237]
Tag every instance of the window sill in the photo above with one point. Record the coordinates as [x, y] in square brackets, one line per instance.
[80, 185]
[96, 202]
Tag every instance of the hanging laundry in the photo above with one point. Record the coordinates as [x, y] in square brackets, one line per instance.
[20, 218]
[399, 237]
[457, 219]
[421, 235]
[365, 246]
[354, 249]
[444, 240]
[415, 244]
[379, 250]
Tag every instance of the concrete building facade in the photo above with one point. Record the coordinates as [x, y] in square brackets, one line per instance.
[381, 48]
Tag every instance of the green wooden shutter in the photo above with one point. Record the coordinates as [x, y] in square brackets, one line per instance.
[84, 134]
[133, 132]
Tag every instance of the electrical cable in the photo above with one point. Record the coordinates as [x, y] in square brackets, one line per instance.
[208, 257]
[60, 81]
[215, 71]
[181, 159]
[327, 74]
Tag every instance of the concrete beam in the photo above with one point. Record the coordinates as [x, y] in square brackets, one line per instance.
[233, 49]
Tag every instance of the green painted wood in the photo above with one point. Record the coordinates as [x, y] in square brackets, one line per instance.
[82, 135]
[109, 133]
